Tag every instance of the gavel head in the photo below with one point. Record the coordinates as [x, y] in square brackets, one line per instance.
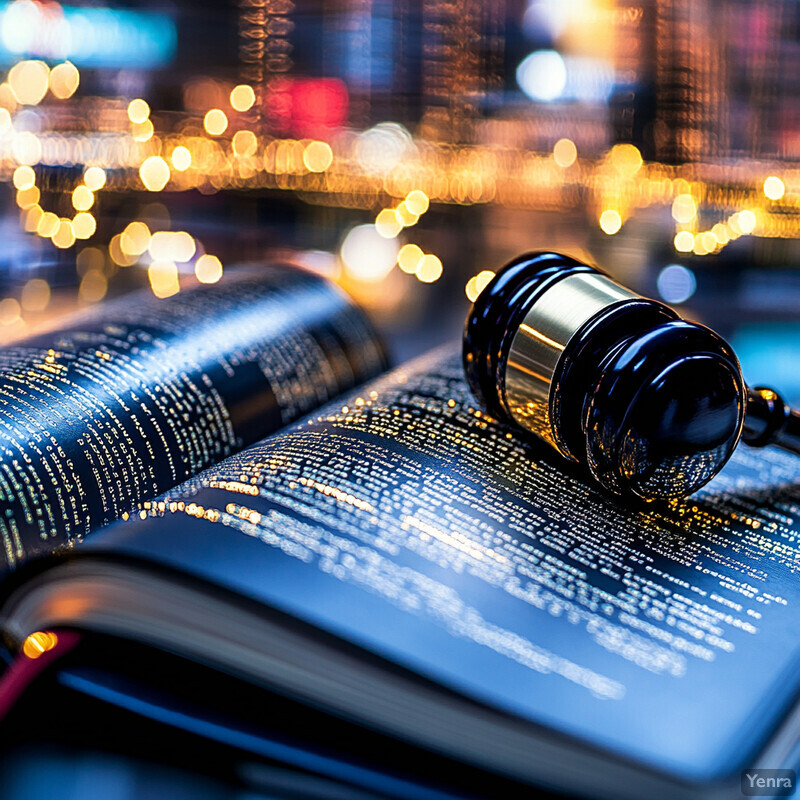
[650, 404]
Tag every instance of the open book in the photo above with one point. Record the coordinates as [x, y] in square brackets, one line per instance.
[396, 559]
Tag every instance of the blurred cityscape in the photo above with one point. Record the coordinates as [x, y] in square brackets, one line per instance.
[407, 148]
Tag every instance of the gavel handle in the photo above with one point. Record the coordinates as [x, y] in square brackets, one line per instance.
[768, 420]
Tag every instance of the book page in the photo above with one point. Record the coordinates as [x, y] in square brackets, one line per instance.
[138, 395]
[406, 521]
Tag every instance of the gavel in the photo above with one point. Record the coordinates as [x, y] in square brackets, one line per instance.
[650, 404]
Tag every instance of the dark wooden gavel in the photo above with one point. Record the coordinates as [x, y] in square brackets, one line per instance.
[651, 404]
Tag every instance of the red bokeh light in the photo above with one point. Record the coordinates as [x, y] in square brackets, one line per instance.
[306, 107]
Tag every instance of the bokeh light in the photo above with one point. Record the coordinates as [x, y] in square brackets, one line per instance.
[155, 173]
[135, 239]
[84, 225]
[208, 269]
[163, 277]
[26, 148]
[477, 283]
[542, 75]
[244, 144]
[64, 235]
[317, 156]
[684, 208]
[48, 225]
[387, 223]
[565, 153]
[366, 255]
[676, 283]
[24, 177]
[29, 81]
[138, 111]
[181, 158]
[95, 178]
[774, 187]
[683, 241]
[168, 246]
[417, 202]
[10, 311]
[242, 98]
[118, 255]
[39, 643]
[408, 258]
[429, 268]
[82, 198]
[35, 295]
[142, 131]
[610, 221]
[93, 286]
[215, 122]
[747, 221]
[64, 80]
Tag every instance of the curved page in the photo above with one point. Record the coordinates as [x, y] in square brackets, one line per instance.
[141, 394]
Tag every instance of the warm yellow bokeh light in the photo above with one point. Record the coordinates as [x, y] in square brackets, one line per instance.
[33, 216]
[208, 269]
[35, 295]
[242, 97]
[82, 198]
[64, 236]
[747, 221]
[244, 144]
[721, 233]
[405, 216]
[26, 148]
[317, 156]
[387, 224]
[7, 100]
[10, 311]
[138, 111]
[477, 283]
[135, 239]
[626, 158]
[93, 287]
[683, 241]
[417, 202]
[181, 158]
[684, 208]
[215, 122]
[704, 243]
[118, 255]
[95, 178]
[37, 644]
[154, 173]
[169, 246]
[429, 268]
[29, 81]
[142, 131]
[367, 256]
[24, 177]
[5, 121]
[163, 276]
[84, 225]
[699, 248]
[89, 258]
[28, 197]
[48, 225]
[408, 258]
[565, 153]
[64, 80]
[774, 187]
[610, 221]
